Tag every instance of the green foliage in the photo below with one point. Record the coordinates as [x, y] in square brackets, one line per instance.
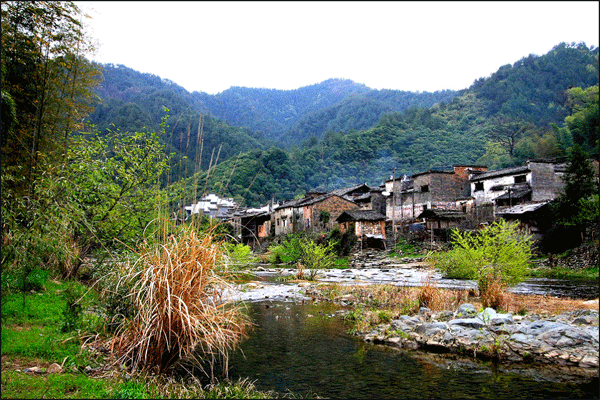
[498, 252]
[72, 313]
[289, 251]
[17, 385]
[114, 183]
[315, 256]
[578, 203]
[342, 243]
[405, 249]
[239, 255]
[130, 390]
[384, 316]
[306, 252]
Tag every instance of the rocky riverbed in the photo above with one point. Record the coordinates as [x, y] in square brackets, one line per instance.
[569, 339]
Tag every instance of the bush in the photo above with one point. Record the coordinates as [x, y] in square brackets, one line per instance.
[342, 242]
[498, 253]
[315, 256]
[289, 251]
[238, 255]
[72, 313]
[180, 313]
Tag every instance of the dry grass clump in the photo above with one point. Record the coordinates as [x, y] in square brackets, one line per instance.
[179, 311]
[428, 292]
[494, 295]
[407, 300]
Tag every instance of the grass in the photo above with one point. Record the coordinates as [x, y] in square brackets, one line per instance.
[584, 274]
[373, 304]
[18, 385]
[179, 312]
[405, 249]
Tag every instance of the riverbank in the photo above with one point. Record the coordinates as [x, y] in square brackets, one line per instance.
[540, 329]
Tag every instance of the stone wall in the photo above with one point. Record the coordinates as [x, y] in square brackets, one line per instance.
[334, 205]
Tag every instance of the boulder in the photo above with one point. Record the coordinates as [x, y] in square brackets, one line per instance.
[54, 369]
[466, 310]
[475, 323]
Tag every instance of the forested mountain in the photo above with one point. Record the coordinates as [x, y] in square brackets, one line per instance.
[284, 116]
[343, 133]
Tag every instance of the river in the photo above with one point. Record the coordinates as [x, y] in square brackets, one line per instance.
[304, 348]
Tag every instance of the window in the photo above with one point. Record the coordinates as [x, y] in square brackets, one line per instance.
[520, 179]
[478, 186]
[425, 188]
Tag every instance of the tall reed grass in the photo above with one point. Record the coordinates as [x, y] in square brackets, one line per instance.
[177, 291]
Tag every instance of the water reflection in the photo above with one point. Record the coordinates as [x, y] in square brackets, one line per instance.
[304, 348]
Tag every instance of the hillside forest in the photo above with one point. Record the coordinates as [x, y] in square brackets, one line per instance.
[258, 145]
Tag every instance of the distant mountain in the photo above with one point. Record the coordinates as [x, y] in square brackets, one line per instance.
[347, 133]
[283, 116]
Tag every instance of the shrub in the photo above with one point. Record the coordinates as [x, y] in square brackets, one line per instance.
[499, 252]
[428, 293]
[179, 310]
[238, 255]
[315, 256]
[288, 251]
[72, 313]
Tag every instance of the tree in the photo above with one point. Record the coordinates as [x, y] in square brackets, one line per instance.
[496, 255]
[114, 184]
[583, 123]
[577, 206]
[508, 131]
[47, 76]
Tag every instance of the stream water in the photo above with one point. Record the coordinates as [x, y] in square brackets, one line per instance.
[415, 275]
[304, 348]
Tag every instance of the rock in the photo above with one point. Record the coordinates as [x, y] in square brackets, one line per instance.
[54, 369]
[586, 320]
[475, 323]
[466, 310]
[486, 315]
[444, 316]
[429, 329]
[34, 370]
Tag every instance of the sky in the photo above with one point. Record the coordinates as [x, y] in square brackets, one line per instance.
[412, 46]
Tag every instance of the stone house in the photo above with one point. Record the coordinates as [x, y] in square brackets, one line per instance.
[320, 213]
[255, 227]
[429, 190]
[536, 181]
[369, 226]
[286, 218]
[310, 214]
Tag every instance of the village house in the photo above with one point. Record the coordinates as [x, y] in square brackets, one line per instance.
[252, 225]
[367, 198]
[536, 181]
[369, 226]
[313, 213]
[429, 190]
[212, 206]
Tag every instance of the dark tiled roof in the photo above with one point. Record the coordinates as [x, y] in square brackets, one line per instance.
[500, 172]
[438, 213]
[345, 191]
[516, 192]
[361, 215]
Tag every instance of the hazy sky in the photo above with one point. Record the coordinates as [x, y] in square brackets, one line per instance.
[414, 46]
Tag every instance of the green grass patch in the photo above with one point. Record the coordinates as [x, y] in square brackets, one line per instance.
[585, 274]
[404, 249]
[18, 385]
[341, 263]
